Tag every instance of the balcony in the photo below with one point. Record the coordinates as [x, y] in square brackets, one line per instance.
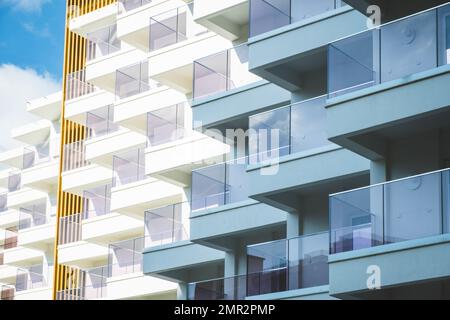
[175, 43]
[99, 224]
[48, 107]
[32, 284]
[23, 197]
[9, 218]
[22, 256]
[132, 192]
[222, 72]
[222, 211]
[83, 97]
[280, 23]
[376, 81]
[125, 278]
[7, 292]
[133, 20]
[226, 18]
[387, 225]
[34, 133]
[36, 228]
[101, 68]
[85, 23]
[174, 149]
[286, 145]
[283, 269]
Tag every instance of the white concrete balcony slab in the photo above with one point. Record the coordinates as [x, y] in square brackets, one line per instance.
[22, 256]
[140, 286]
[133, 25]
[101, 149]
[44, 293]
[132, 112]
[137, 197]
[13, 157]
[24, 197]
[95, 20]
[40, 237]
[48, 107]
[82, 254]
[227, 18]
[9, 218]
[173, 162]
[101, 72]
[43, 176]
[8, 274]
[173, 65]
[77, 108]
[110, 228]
[84, 178]
[33, 133]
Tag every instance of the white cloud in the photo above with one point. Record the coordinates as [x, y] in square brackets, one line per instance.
[40, 32]
[17, 86]
[25, 5]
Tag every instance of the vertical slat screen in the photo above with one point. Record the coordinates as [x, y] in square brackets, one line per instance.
[67, 281]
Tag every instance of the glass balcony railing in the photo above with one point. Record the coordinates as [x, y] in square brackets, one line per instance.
[3, 202]
[222, 72]
[167, 125]
[125, 257]
[165, 225]
[371, 57]
[9, 240]
[32, 216]
[288, 130]
[6, 292]
[30, 278]
[128, 167]
[173, 26]
[14, 181]
[267, 15]
[75, 156]
[275, 266]
[96, 202]
[100, 122]
[219, 184]
[102, 42]
[133, 80]
[391, 212]
[77, 86]
[128, 5]
[288, 264]
[70, 228]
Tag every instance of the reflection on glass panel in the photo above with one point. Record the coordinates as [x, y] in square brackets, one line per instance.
[96, 201]
[30, 278]
[308, 125]
[125, 257]
[267, 15]
[411, 39]
[396, 211]
[166, 125]
[262, 141]
[32, 216]
[3, 201]
[211, 75]
[412, 208]
[165, 225]
[77, 86]
[209, 187]
[100, 122]
[232, 288]
[303, 9]
[168, 28]
[102, 42]
[132, 80]
[14, 181]
[351, 63]
[128, 167]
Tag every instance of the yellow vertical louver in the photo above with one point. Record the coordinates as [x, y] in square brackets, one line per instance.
[67, 279]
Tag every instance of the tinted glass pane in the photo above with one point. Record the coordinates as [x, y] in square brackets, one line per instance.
[267, 15]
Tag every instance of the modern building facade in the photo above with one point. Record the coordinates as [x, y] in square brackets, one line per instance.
[236, 149]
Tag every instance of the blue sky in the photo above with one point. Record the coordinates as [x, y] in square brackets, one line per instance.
[32, 34]
[31, 58]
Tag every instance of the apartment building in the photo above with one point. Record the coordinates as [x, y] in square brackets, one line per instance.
[237, 149]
